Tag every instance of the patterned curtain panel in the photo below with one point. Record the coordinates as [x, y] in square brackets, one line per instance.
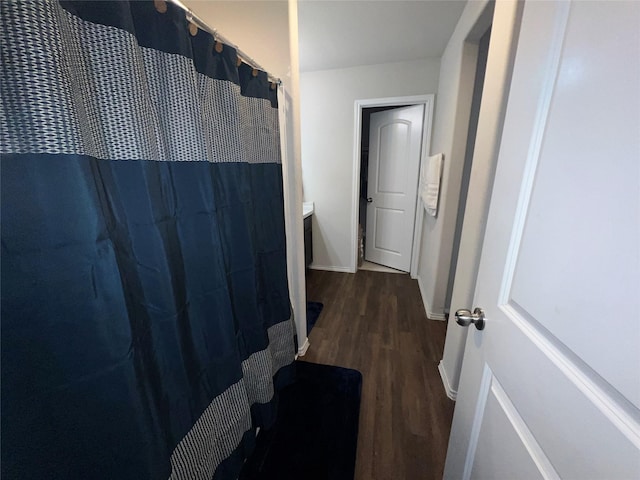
[145, 311]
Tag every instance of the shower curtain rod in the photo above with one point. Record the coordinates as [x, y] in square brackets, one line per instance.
[192, 17]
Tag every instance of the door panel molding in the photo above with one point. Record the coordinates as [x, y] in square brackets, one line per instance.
[478, 416]
[381, 178]
[535, 146]
[376, 238]
[601, 393]
[520, 427]
[560, 410]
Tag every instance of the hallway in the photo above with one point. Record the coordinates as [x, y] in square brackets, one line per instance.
[376, 323]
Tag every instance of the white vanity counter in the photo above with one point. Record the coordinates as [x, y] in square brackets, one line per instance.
[307, 209]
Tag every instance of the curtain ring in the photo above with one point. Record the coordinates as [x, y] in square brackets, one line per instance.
[161, 6]
[238, 61]
[254, 72]
[219, 47]
[273, 85]
[193, 29]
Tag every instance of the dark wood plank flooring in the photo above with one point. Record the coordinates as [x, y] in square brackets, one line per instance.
[376, 323]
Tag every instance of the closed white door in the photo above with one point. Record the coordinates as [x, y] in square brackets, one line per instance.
[550, 388]
[395, 139]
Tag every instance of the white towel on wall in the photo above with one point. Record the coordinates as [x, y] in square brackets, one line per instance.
[430, 183]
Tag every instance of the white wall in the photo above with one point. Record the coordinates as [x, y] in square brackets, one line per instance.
[327, 100]
[268, 32]
[451, 122]
[260, 29]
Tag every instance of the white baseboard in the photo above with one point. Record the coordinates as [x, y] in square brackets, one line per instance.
[430, 314]
[451, 393]
[303, 349]
[330, 268]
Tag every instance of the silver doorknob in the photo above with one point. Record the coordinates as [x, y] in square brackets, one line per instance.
[464, 317]
[369, 200]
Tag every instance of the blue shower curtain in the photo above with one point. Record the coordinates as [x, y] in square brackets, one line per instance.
[146, 322]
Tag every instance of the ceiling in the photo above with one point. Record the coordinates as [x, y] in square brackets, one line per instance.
[340, 34]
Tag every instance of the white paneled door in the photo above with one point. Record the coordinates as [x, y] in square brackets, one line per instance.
[395, 139]
[550, 388]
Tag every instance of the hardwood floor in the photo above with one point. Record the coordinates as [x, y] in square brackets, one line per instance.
[376, 323]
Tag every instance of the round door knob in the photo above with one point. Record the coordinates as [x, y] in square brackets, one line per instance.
[369, 200]
[465, 318]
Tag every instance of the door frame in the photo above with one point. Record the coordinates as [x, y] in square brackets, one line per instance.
[359, 105]
[504, 19]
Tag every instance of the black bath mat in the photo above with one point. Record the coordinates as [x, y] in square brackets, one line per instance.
[316, 434]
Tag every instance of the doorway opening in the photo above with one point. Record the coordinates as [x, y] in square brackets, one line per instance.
[364, 264]
[362, 189]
